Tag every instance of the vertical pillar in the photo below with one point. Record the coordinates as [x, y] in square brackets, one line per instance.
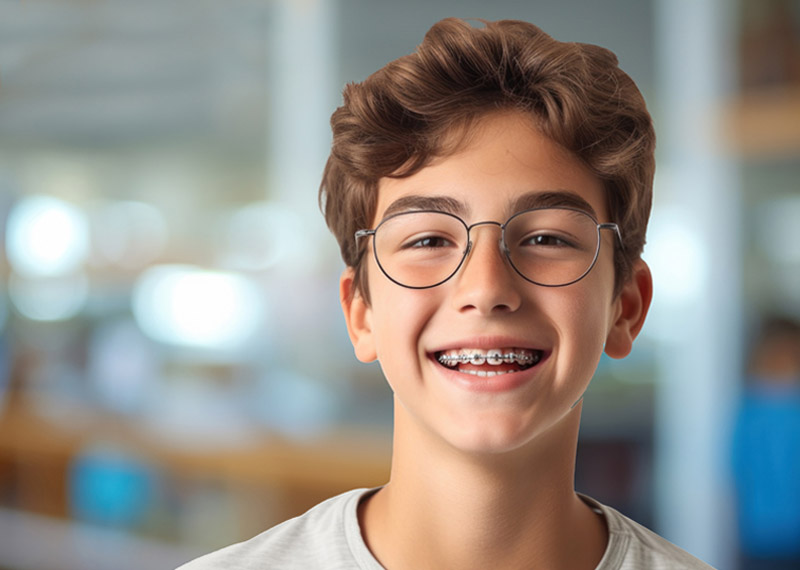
[699, 324]
[303, 94]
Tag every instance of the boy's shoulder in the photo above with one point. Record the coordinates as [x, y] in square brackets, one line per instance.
[632, 546]
[327, 536]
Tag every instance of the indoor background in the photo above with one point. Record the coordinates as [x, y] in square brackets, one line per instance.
[175, 373]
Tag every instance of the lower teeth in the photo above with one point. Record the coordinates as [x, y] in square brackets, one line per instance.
[485, 373]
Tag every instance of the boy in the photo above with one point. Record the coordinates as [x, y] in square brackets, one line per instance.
[490, 195]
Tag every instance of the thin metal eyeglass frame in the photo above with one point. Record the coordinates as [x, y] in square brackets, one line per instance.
[502, 242]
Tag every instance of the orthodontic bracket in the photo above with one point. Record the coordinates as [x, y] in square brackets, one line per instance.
[478, 358]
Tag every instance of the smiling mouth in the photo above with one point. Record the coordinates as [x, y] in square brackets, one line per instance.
[492, 362]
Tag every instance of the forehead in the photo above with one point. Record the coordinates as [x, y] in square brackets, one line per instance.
[506, 166]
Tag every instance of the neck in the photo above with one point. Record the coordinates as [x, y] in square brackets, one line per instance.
[463, 510]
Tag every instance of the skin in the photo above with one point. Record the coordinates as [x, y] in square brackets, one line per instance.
[483, 478]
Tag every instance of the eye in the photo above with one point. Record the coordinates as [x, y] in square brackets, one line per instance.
[547, 240]
[431, 242]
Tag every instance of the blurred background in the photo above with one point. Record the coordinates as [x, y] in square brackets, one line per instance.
[175, 373]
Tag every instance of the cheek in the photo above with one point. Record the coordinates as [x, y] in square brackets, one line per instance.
[583, 319]
[594, 297]
[398, 330]
[584, 322]
[399, 317]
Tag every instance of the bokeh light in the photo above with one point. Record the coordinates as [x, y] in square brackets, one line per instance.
[677, 257]
[46, 236]
[189, 306]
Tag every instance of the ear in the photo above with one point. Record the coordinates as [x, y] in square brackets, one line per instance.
[357, 317]
[632, 305]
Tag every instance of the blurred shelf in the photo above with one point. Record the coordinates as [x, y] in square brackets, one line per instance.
[764, 123]
[306, 472]
[334, 459]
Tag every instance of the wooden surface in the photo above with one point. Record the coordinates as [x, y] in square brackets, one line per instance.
[39, 452]
[765, 123]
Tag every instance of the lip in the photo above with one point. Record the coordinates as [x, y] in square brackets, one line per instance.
[494, 384]
[489, 342]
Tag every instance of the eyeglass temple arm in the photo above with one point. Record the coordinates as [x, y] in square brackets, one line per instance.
[364, 233]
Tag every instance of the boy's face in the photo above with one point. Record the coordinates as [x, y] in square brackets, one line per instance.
[488, 306]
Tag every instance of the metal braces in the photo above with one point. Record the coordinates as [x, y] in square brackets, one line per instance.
[478, 359]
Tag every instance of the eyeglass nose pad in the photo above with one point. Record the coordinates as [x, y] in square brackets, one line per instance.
[501, 243]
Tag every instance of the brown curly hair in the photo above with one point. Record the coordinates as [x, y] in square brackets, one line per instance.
[404, 115]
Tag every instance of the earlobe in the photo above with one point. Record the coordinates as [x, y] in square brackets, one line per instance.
[357, 316]
[632, 303]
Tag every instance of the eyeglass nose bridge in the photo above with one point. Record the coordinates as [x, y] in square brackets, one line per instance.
[501, 242]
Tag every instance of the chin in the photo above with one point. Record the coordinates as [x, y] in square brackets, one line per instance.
[492, 440]
[493, 436]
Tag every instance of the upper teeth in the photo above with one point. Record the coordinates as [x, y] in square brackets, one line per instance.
[494, 357]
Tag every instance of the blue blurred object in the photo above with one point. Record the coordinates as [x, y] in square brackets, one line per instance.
[111, 487]
[766, 467]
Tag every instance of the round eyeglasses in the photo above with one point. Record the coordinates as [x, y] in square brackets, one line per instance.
[551, 247]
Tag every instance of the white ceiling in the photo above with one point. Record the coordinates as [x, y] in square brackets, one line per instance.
[105, 72]
[100, 73]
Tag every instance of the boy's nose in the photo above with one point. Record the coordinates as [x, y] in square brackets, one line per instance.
[486, 282]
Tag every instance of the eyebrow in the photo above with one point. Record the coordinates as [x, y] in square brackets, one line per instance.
[416, 202]
[528, 201]
[553, 199]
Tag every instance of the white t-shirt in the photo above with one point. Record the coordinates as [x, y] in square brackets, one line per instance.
[328, 537]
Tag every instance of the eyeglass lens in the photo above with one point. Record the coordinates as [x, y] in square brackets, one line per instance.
[551, 246]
